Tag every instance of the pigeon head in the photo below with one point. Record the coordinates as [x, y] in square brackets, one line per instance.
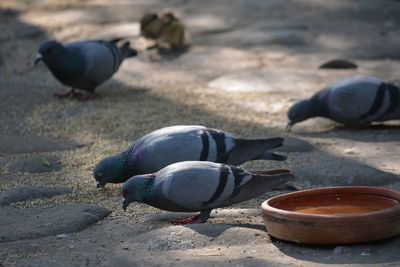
[130, 191]
[110, 170]
[299, 112]
[137, 189]
[151, 26]
[49, 51]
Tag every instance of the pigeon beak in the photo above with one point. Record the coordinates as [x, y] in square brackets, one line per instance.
[289, 126]
[39, 57]
[99, 184]
[124, 204]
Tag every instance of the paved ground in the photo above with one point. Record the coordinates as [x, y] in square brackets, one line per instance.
[249, 61]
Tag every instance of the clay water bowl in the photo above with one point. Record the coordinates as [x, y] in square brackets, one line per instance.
[334, 215]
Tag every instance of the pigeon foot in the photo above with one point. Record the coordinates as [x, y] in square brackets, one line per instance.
[66, 93]
[200, 218]
[81, 96]
[191, 220]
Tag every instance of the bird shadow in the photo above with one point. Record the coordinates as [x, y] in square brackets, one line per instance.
[219, 222]
[386, 133]
[362, 253]
[213, 230]
[120, 92]
[158, 54]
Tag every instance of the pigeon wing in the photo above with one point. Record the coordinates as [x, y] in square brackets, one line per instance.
[169, 145]
[192, 184]
[206, 185]
[102, 60]
[358, 100]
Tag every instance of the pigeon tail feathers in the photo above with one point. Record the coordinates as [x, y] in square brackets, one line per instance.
[270, 156]
[261, 182]
[127, 51]
[248, 149]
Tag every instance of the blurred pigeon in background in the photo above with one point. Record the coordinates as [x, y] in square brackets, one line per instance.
[173, 144]
[190, 186]
[83, 65]
[356, 101]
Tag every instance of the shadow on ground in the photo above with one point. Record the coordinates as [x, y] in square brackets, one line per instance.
[374, 133]
[367, 253]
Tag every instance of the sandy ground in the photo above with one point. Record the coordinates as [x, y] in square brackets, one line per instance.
[249, 61]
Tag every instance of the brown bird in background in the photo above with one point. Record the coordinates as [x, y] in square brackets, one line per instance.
[166, 29]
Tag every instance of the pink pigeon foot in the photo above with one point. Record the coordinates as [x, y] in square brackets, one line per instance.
[200, 218]
[81, 96]
[66, 93]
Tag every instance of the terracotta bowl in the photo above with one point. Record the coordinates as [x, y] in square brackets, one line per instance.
[334, 215]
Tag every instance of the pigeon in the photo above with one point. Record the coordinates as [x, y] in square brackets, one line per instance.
[353, 101]
[168, 145]
[83, 65]
[191, 186]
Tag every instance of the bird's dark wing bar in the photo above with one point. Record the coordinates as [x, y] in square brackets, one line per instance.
[394, 94]
[223, 178]
[378, 101]
[206, 146]
[219, 138]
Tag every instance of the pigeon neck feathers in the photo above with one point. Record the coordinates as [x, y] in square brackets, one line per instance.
[67, 66]
[305, 109]
[128, 163]
[147, 189]
[319, 104]
[140, 188]
[124, 165]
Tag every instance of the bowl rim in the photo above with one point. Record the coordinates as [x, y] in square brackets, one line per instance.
[366, 217]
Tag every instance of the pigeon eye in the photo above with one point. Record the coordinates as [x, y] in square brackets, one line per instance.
[49, 50]
[125, 192]
[100, 174]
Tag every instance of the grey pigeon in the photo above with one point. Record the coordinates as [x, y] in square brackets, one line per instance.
[354, 101]
[83, 65]
[173, 144]
[191, 186]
